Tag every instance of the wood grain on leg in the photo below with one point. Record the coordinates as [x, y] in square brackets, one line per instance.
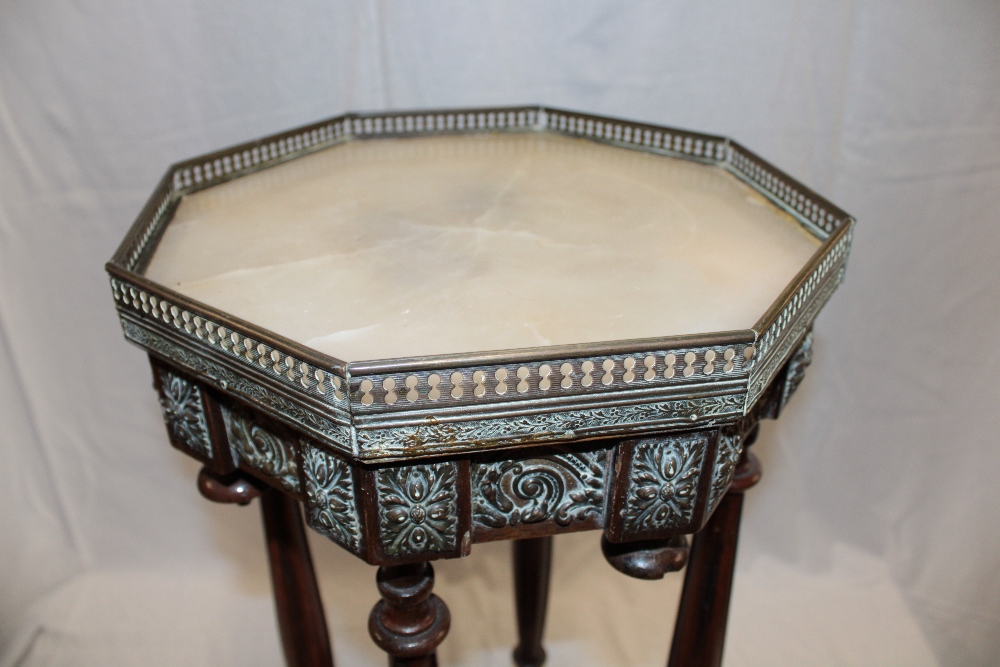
[532, 565]
[296, 595]
[700, 632]
[301, 621]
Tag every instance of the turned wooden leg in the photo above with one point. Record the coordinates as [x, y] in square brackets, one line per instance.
[409, 622]
[700, 631]
[532, 564]
[301, 621]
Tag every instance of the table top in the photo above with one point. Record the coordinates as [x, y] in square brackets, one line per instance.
[413, 284]
[449, 244]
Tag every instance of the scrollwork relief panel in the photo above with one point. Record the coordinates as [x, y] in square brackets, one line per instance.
[565, 488]
[258, 447]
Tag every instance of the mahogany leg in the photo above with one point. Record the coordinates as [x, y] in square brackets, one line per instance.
[700, 631]
[296, 595]
[532, 565]
[409, 622]
[301, 621]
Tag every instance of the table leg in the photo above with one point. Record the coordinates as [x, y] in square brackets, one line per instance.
[296, 595]
[532, 565]
[301, 621]
[409, 622]
[700, 631]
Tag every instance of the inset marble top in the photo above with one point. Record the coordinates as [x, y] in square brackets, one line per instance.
[435, 245]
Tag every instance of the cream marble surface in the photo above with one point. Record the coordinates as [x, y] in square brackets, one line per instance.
[400, 247]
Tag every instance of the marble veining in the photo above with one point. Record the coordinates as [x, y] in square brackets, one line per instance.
[400, 247]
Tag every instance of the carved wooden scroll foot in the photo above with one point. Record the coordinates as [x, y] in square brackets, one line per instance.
[409, 622]
[232, 488]
[532, 565]
[647, 559]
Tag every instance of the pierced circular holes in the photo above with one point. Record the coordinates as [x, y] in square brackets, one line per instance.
[544, 371]
[434, 380]
[629, 364]
[338, 386]
[709, 359]
[587, 367]
[669, 371]
[729, 355]
[411, 384]
[501, 375]
[389, 385]
[566, 370]
[479, 378]
[523, 373]
[689, 360]
[366, 389]
[650, 364]
[608, 376]
[456, 381]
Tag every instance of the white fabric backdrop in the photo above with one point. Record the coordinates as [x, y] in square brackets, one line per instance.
[873, 538]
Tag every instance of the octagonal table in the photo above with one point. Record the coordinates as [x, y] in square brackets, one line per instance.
[434, 329]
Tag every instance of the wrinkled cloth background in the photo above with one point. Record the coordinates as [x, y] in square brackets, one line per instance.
[873, 538]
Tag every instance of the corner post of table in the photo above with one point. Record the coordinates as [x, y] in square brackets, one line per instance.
[700, 630]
